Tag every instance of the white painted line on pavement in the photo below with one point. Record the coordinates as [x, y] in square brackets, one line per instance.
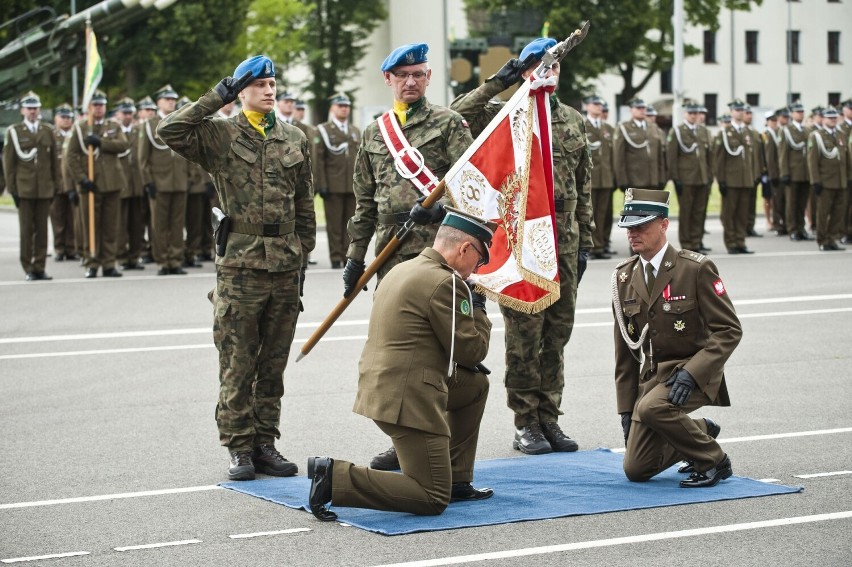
[794, 313]
[561, 548]
[769, 480]
[818, 475]
[276, 532]
[156, 545]
[110, 496]
[40, 557]
[774, 436]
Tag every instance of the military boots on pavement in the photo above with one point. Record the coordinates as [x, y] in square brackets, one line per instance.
[531, 440]
[387, 461]
[241, 466]
[558, 440]
[267, 460]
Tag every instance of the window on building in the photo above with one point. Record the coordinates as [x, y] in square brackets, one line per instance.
[834, 99]
[666, 81]
[709, 46]
[753, 99]
[793, 46]
[751, 47]
[834, 47]
[711, 101]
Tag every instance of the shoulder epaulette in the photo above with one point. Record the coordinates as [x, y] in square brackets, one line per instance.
[690, 255]
[626, 261]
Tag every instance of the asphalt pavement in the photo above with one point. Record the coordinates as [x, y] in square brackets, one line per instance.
[110, 453]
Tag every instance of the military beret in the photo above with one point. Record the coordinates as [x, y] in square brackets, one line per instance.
[783, 112]
[99, 97]
[472, 225]
[797, 107]
[725, 118]
[64, 109]
[261, 67]
[146, 104]
[166, 91]
[829, 112]
[30, 100]
[339, 98]
[408, 54]
[642, 206]
[650, 110]
[636, 103]
[300, 104]
[737, 104]
[125, 105]
[536, 48]
[285, 95]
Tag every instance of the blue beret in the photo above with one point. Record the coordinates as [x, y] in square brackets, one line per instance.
[261, 67]
[409, 54]
[536, 48]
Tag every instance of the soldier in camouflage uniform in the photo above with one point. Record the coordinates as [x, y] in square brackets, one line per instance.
[384, 200]
[262, 172]
[535, 343]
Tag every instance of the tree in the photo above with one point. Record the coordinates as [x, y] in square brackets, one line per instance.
[632, 38]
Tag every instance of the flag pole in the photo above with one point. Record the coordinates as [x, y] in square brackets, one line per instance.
[91, 150]
[368, 274]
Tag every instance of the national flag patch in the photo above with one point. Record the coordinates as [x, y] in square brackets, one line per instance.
[719, 287]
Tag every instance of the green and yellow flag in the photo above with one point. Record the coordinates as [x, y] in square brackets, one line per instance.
[94, 68]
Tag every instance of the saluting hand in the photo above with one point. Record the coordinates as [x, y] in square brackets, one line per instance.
[228, 88]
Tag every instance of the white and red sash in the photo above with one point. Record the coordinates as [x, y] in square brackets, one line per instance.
[407, 160]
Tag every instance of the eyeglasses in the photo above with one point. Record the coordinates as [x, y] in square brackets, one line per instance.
[482, 261]
[417, 75]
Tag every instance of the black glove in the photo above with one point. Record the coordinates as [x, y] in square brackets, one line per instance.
[16, 199]
[510, 73]
[87, 185]
[785, 179]
[625, 423]
[352, 271]
[817, 189]
[582, 262]
[322, 192]
[302, 281]
[678, 187]
[151, 190]
[427, 216]
[723, 188]
[73, 197]
[478, 299]
[229, 87]
[209, 190]
[682, 384]
[93, 140]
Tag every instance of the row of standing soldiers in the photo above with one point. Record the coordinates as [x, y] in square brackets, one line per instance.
[790, 162]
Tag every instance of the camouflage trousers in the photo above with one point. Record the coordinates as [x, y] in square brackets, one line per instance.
[255, 314]
[535, 347]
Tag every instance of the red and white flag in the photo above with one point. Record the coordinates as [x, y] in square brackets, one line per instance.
[507, 176]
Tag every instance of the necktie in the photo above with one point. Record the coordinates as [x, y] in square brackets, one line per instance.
[649, 272]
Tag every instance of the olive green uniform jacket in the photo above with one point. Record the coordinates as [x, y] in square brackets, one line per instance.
[38, 177]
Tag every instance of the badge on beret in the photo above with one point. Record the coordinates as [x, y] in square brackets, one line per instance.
[679, 326]
[464, 307]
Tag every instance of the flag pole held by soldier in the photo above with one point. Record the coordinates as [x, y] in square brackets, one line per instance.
[554, 55]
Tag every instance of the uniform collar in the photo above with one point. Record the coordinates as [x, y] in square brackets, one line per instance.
[657, 260]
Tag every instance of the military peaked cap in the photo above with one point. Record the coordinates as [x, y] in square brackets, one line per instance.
[99, 97]
[339, 98]
[642, 206]
[300, 104]
[285, 95]
[166, 91]
[829, 112]
[636, 103]
[650, 110]
[146, 104]
[797, 107]
[30, 100]
[408, 54]
[64, 109]
[472, 225]
[737, 104]
[125, 105]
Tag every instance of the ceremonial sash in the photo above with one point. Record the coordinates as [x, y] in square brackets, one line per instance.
[798, 146]
[630, 141]
[833, 154]
[680, 143]
[151, 137]
[83, 147]
[407, 160]
[22, 155]
[337, 150]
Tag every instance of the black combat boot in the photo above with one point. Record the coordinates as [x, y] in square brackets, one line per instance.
[531, 440]
[267, 460]
[242, 467]
[387, 461]
[557, 439]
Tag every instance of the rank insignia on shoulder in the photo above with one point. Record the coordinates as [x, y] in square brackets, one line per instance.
[679, 326]
[464, 307]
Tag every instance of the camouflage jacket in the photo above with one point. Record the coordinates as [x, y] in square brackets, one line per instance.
[258, 180]
[442, 136]
[572, 162]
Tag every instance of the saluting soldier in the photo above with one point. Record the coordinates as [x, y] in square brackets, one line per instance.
[384, 199]
[535, 343]
[33, 178]
[108, 141]
[262, 172]
[599, 135]
[165, 176]
[131, 230]
[637, 154]
[771, 140]
[63, 214]
[335, 150]
[829, 169]
[792, 162]
[733, 164]
[688, 169]
[758, 162]
[675, 328]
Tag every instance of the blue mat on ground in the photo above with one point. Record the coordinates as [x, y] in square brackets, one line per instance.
[529, 488]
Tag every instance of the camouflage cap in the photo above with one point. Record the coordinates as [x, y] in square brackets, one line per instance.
[642, 206]
[30, 100]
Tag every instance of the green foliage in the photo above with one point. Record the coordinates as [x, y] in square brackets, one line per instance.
[276, 28]
[633, 38]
